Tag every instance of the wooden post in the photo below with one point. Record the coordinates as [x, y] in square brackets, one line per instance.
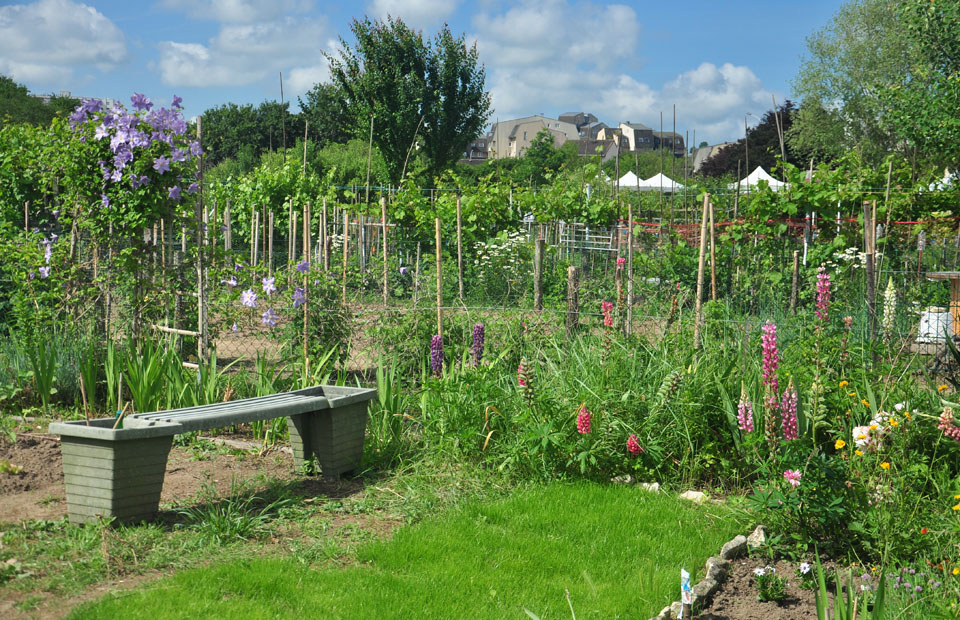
[346, 235]
[228, 230]
[697, 327]
[306, 289]
[459, 250]
[26, 216]
[325, 247]
[628, 324]
[270, 243]
[713, 259]
[869, 249]
[538, 275]
[796, 282]
[439, 280]
[198, 213]
[383, 234]
[253, 233]
[573, 299]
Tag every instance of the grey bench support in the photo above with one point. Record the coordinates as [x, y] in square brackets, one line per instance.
[118, 473]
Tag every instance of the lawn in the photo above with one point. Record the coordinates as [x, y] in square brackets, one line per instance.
[618, 550]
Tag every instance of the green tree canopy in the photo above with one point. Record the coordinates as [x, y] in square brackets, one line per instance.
[17, 106]
[762, 144]
[329, 122]
[426, 94]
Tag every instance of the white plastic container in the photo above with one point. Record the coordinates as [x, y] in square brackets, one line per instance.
[933, 322]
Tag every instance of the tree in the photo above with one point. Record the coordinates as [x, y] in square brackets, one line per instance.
[418, 94]
[17, 106]
[863, 46]
[329, 121]
[244, 132]
[921, 103]
[762, 144]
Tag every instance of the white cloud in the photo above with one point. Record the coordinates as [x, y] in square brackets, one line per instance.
[554, 56]
[244, 54]
[238, 11]
[44, 42]
[414, 13]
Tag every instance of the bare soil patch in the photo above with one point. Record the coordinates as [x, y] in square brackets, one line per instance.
[737, 597]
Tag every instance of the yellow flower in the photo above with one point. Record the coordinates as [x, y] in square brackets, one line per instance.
[866, 403]
[861, 436]
[858, 452]
[874, 427]
[852, 394]
[844, 384]
[894, 423]
[957, 507]
[886, 465]
[941, 388]
[907, 415]
[840, 444]
[956, 571]
[956, 496]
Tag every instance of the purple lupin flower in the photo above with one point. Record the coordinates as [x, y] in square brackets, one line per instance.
[771, 357]
[436, 354]
[823, 294]
[478, 338]
[745, 411]
[788, 413]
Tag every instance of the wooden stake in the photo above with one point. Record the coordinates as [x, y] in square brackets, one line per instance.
[306, 287]
[538, 275]
[26, 216]
[439, 280]
[697, 327]
[253, 232]
[459, 250]
[573, 300]
[713, 259]
[869, 249]
[796, 282]
[270, 243]
[346, 234]
[324, 245]
[383, 235]
[628, 324]
[228, 228]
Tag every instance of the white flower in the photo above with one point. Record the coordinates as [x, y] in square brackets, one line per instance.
[759, 572]
[771, 569]
[804, 568]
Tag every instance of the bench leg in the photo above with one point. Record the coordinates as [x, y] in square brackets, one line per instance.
[334, 437]
[114, 479]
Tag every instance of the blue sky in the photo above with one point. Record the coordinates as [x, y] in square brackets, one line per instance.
[622, 61]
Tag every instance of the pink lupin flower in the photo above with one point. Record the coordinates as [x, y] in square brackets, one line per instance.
[788, 413]
[633, 446]
[607, 308]
[583, 420]
[745, 412]
[771, 357]
[950, 431]
[823, 294]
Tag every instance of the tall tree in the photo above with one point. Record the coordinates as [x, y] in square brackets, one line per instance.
[417, 93]
[863, 45]
[762, 143]
[17, 106]
[322, 106]
[922, 103]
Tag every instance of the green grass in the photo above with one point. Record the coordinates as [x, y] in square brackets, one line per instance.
[618, 550]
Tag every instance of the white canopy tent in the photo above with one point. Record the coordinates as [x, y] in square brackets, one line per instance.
[661, 181]
[755, 177]
[629, 181]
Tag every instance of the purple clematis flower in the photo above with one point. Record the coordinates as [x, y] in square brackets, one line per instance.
[249, 298]
[303, 266]
[269, 318]
[268, 286]
[231, 283]
[238, 267]
[174, 192]
[234, 328]
[141, 102]
[104, 200]
[193, 188]
[298, 297]
[44, 272]
[161, 164]
[177, 102]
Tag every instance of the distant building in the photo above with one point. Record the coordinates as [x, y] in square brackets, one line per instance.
[703, 153]
[66, 94]
[512, 138]
[608, 149]
[669, 141]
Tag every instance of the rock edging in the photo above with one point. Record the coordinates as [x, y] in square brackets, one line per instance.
[716, 572]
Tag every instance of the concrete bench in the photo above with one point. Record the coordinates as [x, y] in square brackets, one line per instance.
[118, 473]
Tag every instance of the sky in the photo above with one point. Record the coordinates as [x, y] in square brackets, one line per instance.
[718, 61]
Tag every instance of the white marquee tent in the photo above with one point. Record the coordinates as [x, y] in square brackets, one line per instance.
[658, 181]
[755, 177]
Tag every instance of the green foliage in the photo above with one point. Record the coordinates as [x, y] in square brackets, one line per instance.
[770, 586]
[761, 146]
[413, 91]
[17, 106]
[239, 516]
